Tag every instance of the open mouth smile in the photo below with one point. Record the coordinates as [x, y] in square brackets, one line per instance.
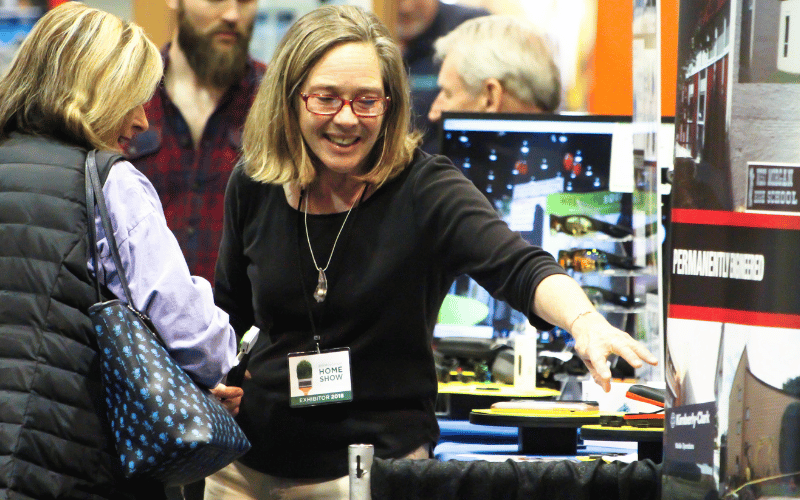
[342, 141]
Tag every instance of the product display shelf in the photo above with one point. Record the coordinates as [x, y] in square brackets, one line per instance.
[457, 399]
[540, 432]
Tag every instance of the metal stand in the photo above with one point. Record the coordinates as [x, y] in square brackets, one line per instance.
[360, 463]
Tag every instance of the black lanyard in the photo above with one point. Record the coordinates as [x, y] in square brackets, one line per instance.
[300, 263]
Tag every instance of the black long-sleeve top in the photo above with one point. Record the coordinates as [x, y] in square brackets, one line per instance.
[398, 254]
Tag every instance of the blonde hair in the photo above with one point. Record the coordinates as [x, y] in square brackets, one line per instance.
[77, 76]
[273, 149]
[509, 50]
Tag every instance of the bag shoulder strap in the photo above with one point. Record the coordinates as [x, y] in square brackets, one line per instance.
[94, 197]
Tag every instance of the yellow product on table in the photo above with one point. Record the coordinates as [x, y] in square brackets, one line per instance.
[495, 389]
[546, 408]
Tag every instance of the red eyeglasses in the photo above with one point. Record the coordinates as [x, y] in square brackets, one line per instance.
[364, 107]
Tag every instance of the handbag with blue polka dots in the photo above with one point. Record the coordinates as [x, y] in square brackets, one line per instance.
[165, 426]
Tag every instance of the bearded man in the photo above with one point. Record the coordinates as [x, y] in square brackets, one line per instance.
[196, 117]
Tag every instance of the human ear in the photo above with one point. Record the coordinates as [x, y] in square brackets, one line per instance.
[492, 95]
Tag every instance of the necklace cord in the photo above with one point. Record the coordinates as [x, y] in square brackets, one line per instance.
[300, 266]
[308, 238]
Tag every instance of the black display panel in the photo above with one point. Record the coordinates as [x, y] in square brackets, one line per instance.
[530, 166]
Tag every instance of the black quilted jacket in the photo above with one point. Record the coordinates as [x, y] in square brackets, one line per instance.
[54, 442]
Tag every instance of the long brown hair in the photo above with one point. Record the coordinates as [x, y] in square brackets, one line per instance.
[273, 147]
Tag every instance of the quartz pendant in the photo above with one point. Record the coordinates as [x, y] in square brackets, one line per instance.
[322, 287]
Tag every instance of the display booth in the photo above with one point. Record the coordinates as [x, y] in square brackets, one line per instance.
[732, 330]
[682, 230]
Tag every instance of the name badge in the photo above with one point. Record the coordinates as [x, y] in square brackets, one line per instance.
[319, 378]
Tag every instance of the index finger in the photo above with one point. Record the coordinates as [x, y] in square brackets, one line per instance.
[635, 354]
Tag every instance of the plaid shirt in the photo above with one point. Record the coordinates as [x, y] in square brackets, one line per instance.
[191, 180]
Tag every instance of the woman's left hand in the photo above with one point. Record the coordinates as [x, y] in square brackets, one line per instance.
[229, 396]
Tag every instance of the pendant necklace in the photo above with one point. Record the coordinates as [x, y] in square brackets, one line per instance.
[322, 281]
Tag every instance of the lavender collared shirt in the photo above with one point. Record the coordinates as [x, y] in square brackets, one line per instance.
[181, 306]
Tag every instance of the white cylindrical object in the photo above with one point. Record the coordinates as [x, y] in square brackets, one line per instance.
[525, 361]
[360, 463]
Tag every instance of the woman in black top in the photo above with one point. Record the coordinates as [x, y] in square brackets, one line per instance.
[339, 233]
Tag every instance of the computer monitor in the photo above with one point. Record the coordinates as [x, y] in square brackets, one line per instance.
[530, 166]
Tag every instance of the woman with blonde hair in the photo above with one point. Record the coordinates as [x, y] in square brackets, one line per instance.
[341, 239]
[78, 83]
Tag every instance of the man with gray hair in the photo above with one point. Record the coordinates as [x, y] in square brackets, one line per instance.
[496, 64]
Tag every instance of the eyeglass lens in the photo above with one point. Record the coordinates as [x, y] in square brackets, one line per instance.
[575, 225]
[581, 225]
[582, 260]
[330, 105]
[578, 226]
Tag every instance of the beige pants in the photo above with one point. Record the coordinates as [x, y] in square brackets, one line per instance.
[239, 482]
